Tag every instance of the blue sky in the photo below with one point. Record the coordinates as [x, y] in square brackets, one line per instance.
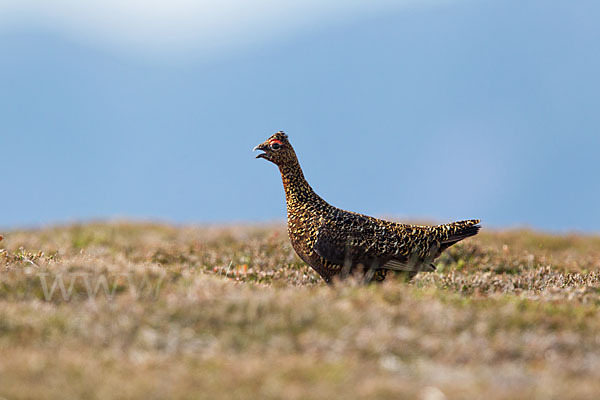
[437, 110]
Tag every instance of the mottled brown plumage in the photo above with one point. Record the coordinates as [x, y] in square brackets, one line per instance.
[336, 242]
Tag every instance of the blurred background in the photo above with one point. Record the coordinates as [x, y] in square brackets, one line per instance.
[435, 110]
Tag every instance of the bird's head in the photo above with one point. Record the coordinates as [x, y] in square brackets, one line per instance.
[277, 149]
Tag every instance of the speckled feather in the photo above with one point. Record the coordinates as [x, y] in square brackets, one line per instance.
[335, 242]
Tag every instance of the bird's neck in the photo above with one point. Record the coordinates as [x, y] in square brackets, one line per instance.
[297, 189]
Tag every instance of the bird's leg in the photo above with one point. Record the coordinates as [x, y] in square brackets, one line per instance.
[372, 272]
[368, 276]
[347, 268]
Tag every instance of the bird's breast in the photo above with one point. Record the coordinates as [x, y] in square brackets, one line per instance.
[302, 230]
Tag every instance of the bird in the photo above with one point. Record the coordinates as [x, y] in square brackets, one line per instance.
[338, 243]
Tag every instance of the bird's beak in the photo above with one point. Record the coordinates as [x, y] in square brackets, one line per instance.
[262, 147]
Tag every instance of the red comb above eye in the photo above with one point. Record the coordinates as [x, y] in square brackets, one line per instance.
[276, 141]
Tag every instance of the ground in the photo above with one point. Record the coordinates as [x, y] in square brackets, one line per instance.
[122, 310]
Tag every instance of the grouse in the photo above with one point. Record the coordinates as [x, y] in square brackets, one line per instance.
[336, 243]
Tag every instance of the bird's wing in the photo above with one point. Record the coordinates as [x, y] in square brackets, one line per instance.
[355, 239]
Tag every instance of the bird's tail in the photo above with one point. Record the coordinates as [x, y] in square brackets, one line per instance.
[456, 231]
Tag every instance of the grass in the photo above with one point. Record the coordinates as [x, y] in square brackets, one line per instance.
[155, 311]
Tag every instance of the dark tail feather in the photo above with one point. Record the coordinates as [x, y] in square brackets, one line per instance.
[458, 231]
[462, 234]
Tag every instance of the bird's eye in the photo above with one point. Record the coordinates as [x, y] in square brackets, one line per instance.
[275, 146]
